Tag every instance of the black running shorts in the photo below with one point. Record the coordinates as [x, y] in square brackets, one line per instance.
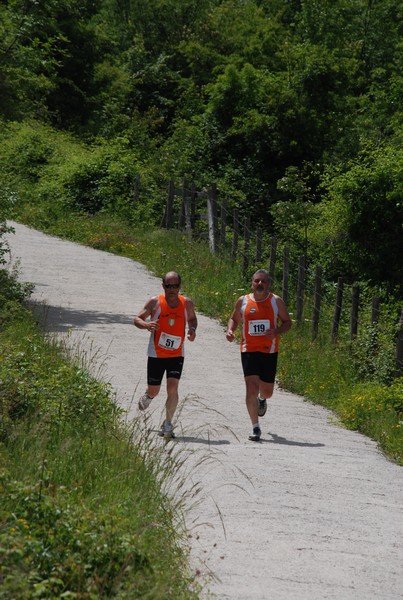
[262, 364]
[156, 367]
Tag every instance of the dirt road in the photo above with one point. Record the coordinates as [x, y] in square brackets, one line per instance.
[312, 512]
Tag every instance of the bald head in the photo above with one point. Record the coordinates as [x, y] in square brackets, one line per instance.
[171, 277]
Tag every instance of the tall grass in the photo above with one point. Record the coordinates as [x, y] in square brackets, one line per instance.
[332, 374]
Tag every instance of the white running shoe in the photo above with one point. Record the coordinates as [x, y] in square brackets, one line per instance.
[255, 437]
[144, 401]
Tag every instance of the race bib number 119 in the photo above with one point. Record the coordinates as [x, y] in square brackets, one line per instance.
[259, 327]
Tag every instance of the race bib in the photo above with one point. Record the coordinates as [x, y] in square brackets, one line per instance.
[169, 342]
[258, 327]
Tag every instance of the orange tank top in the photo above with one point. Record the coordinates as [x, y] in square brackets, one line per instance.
[167, 341]
[257, 317]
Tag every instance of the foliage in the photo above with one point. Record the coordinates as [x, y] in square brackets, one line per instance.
[12, 293]
[237, 93]
[46, 59]
[7, 198]
[3, 245]
[373, 352]
[378, 412]
[361, 220]
[54, 172]
[295, 216]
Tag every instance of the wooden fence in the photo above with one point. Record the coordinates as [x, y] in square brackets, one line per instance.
[198, 212]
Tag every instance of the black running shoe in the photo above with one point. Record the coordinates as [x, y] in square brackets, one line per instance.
[255, 437]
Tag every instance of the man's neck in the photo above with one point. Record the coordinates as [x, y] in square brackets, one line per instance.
[260, 297]
[172, 302]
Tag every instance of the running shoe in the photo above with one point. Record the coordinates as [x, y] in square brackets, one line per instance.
[255, 437]
[166, 432]
[144, 401]
[261, 406]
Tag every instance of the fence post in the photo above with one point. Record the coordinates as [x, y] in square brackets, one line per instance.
[193, 195]
[374, 328]
[272, 264]
[170, 204]
[136, 189]
[355, 300]
[399, 348]
[286, 270]
[235, 238]
[186, 210]
[246, 237]
[223, 228]
[258, 255]
[182, 219]
[337, 308]
[375, 310]
[212, 218]
[316, 301]
[300, 288]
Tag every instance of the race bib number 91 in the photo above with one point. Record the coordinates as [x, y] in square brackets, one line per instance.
[169, 342]
[258, 327]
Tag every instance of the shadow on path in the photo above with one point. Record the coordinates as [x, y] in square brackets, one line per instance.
[197, 440]
[281, 440]
[59, 319]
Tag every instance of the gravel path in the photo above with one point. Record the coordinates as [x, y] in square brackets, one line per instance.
[312, 512]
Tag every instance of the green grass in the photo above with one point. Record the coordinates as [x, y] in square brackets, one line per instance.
[84, 511]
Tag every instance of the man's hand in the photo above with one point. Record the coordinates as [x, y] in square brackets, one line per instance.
[152, 325]
[230, 335]
[271, 333]
[191, 334]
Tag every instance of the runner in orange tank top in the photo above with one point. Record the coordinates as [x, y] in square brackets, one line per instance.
[258, 316]
[264, 317]
[166, 316]
[167, 341]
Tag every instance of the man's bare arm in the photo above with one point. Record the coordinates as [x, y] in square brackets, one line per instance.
[234, 320]
[285, 319]
[192, 319]
[140, 320]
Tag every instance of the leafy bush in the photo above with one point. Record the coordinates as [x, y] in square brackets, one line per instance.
[359, 229]
[373, 353]
[55, 547]
[45, 173]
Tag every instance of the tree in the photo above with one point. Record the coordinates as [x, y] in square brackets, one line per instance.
[295, 216]
[360, 226]
[47, 56]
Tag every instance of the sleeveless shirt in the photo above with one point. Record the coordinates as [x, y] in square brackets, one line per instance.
[257, 317]
[167, 341]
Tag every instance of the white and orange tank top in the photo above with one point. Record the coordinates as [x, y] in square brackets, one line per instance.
[257, 317]
[167, 341]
